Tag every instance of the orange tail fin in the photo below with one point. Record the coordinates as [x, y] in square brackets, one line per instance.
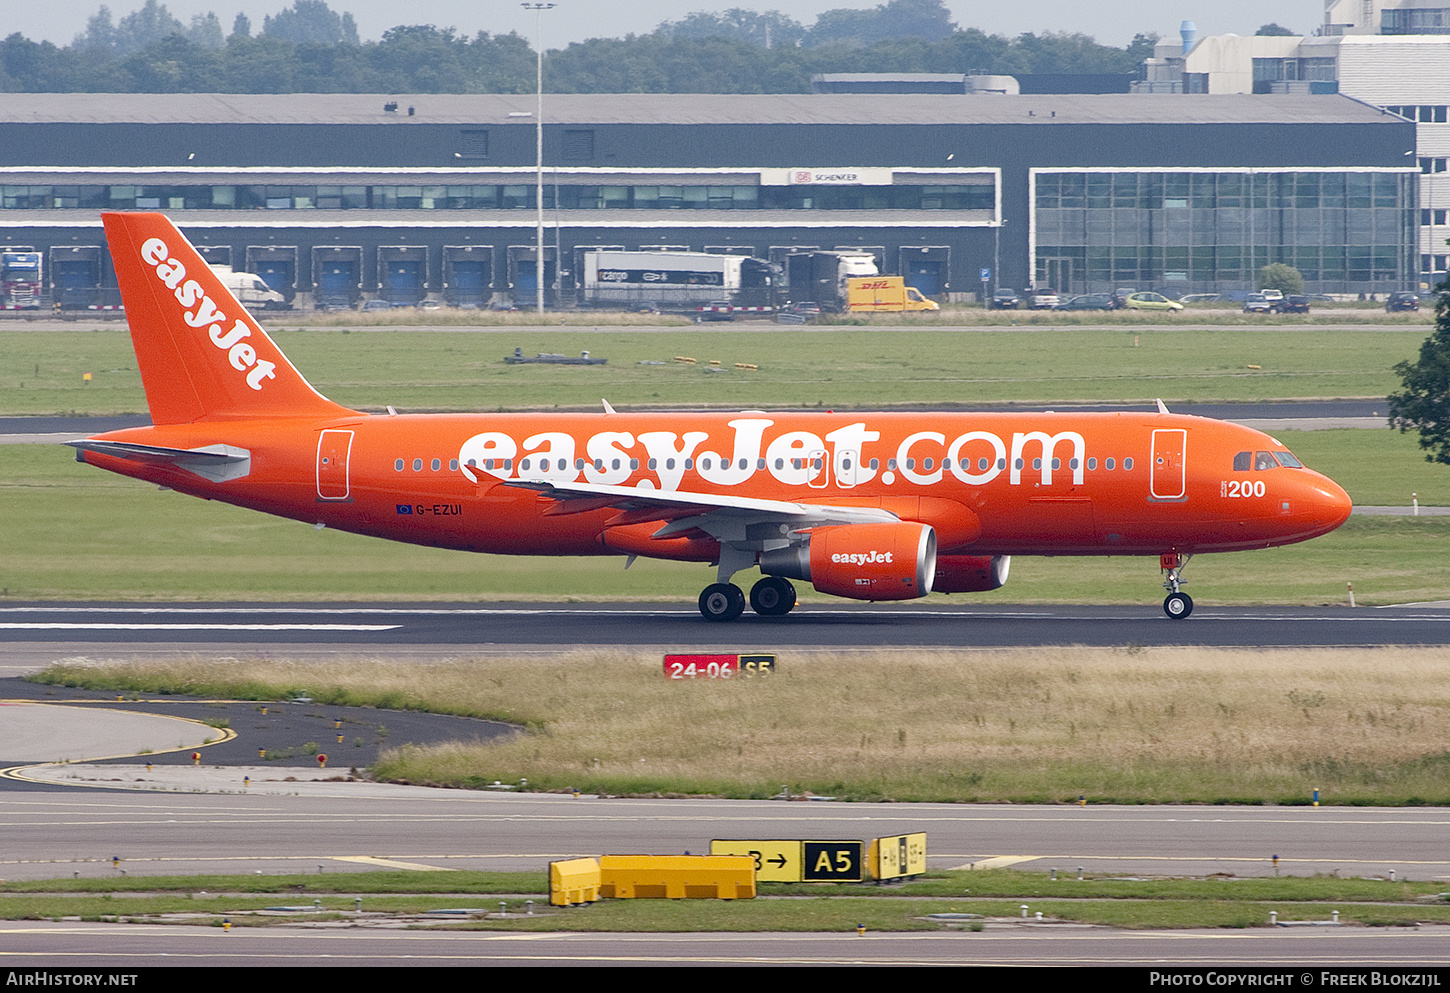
[200, 353]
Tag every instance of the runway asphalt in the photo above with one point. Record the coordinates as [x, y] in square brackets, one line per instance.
[107, 628]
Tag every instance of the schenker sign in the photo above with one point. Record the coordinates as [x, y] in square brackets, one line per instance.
[826, 177]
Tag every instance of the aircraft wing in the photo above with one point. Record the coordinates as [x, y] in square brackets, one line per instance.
[217, 463]
[724, 517]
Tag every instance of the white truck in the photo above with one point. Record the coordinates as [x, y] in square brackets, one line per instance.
[825, 278]
[249, 288]
[683, 282]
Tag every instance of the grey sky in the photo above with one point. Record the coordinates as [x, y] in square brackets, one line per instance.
[1111, 22]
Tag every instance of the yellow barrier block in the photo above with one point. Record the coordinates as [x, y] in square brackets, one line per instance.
[677, 877]
[573, 881]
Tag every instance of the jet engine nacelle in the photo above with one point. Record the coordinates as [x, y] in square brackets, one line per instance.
[890, 561]
[970, 573]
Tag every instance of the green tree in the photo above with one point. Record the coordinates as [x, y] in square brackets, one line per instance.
[205, 30]
[310, 21]
[771, 28]
[143, 28]
[1143, 45]
[927, 19]
[100, 33]
[1424, 403]
[1284, 278]
[1272, 30]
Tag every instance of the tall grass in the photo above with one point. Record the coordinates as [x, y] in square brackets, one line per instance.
[1034, 725]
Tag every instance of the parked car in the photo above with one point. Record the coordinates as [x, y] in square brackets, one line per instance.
[429, 305]
[1003, 300]
[1121, 294]
[1201, 298]
[1257, 303]
[376, 305]
[502, 303]
[1089, 301]
[333, 304]
[1273, 296]
[1403, 300]
[1150, 301]
[1294, 303]
[1045, 299]
[805, 308]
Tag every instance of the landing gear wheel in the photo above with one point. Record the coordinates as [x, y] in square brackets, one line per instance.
[722, 602]
[1178, 605]
[772, 597]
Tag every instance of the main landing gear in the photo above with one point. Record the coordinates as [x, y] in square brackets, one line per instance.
[1177, 604]
[772, 596]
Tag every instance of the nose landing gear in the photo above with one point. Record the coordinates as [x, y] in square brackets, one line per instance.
[1177, 604]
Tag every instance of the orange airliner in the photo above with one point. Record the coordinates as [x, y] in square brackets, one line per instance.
[871, 506]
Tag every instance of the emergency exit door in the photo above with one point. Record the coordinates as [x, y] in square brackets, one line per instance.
[1167, 476]
[333, 448]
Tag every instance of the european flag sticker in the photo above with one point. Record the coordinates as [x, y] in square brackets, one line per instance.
[405, 508]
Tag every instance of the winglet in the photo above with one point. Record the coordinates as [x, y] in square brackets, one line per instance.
[607, 408]
[1162, 407]
[200, 353]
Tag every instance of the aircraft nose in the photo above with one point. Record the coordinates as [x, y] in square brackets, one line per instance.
[1331, 504]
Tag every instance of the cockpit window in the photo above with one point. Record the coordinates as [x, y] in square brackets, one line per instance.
[1265, 460]
[1288, 459]
[1243, 461]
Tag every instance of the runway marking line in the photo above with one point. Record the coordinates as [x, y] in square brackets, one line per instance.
[392, 863]
[1002, 861]
[99, 626]
[997, 862]
[17, 772]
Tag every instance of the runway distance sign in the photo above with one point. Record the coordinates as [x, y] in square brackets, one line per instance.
[775, 861]
[902, 855]
[718, 666]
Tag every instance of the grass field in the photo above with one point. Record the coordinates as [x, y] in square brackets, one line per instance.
[1039, 725]
[42, 372]
[87, 534]
[204, 901]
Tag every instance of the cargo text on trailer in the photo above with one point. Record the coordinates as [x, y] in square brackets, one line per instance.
[682, 282]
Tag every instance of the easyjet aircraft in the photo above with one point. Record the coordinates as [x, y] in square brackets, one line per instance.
[879, 506]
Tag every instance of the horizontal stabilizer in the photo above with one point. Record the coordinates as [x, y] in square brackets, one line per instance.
[217, 463]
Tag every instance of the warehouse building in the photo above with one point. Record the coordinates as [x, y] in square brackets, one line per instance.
[333, 197]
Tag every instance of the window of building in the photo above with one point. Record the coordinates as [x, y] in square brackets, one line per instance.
[1270, 70]
[579, 145]
[473, 143]
[1415, 20]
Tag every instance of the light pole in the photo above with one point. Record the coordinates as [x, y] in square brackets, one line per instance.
[997, 253]
[538, 9]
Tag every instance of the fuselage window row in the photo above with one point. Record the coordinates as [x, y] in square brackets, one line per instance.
[1242, 463]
